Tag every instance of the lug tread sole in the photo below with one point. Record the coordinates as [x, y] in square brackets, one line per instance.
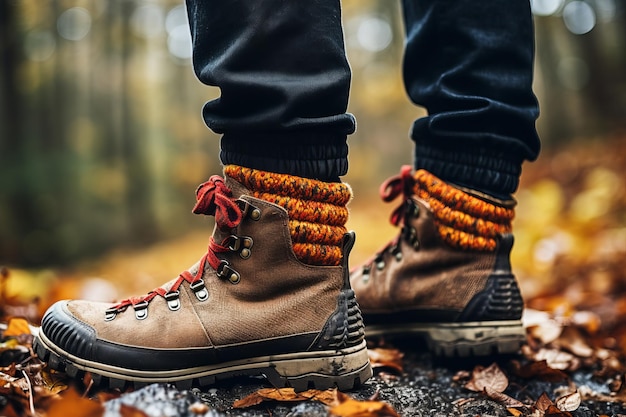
[460, 340]
[348, 370]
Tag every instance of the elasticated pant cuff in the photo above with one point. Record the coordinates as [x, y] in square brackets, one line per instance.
[490, 171]
[310, 155]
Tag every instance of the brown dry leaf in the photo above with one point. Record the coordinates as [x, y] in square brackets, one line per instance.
[514, 412]
[539, 370]
[547, 408]
[328, 397]
[569, 402]
[553, 411]
[491, 377]
[573, 341]
[555, 358]
[285, 394]
[71, 404]
[130, 411]
[502, 398]
[543, 402]
[54, 381]
[349, 407]
[386, 358]
[541, 325]
[17, 326]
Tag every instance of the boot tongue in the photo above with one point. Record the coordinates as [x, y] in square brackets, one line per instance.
[236, 187]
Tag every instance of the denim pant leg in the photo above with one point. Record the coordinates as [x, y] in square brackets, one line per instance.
[470, 64]
[284, 80]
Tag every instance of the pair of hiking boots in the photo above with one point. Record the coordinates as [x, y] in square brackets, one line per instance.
[274, 296]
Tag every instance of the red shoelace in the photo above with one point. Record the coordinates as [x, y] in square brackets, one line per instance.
[401, 184]
[213, 198]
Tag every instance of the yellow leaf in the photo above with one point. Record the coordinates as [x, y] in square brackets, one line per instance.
[354, 408]
[16, 327]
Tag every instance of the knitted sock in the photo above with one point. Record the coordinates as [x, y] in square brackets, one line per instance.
[463, 220]
[317, 210]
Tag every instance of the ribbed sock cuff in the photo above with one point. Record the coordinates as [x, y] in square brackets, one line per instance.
[317, 210]
[463, 221]
[309, 155]
[490, 171]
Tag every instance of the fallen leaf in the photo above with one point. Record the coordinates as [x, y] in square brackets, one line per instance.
[569, 402]
[546, 331]
[553, 411]
[285, 394]
[555, 358]
[349, 407]
[543, 402]
[386, 358]
[502, 398]
[54, 381]
[71, 404]
[514, 412]
[573, 341]
[539, 370]
[17, 326]
[491, 377]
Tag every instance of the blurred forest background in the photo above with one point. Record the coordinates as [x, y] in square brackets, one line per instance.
[102, 143]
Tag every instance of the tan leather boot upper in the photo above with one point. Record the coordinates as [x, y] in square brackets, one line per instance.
[257, 310]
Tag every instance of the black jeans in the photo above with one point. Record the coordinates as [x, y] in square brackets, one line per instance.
[284, 81]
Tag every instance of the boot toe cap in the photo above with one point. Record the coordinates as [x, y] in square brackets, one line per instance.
[61, 327]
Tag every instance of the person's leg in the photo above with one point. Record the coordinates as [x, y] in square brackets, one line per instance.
[447, 276]
[284, 81]
[470, 64]
[272, 294]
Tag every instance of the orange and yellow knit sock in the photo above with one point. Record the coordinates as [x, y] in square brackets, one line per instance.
[317, 210]
[463, 220]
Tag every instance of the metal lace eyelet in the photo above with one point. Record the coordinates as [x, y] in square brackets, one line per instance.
[245, 253]
[110, 314]
[198, 288]
[141, 310]
[173, 300]
[234, 243]
[224, 271]
[412, 238]
[398, 255]
[380, 265]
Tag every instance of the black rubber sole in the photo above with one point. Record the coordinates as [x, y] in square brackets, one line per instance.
[345, 369]
[459, 340]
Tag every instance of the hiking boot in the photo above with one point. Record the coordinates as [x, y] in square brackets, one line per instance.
[251, 306]
[447, 276]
